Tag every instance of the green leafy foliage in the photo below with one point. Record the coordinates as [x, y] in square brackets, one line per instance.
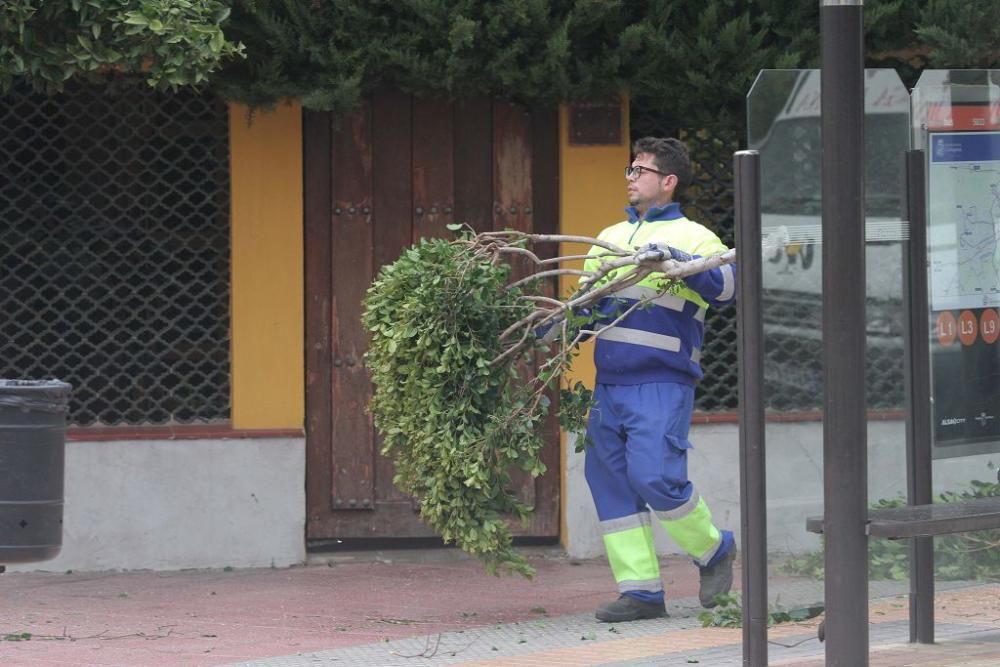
[574, 404]
[728, 613]
[961, 34]
[796, 615]
[697, 60]
[693, 60]
[453, 422]
[330, 54]
[168, 43]
[961, 556]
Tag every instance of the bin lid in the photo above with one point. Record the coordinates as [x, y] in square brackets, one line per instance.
[35, 395]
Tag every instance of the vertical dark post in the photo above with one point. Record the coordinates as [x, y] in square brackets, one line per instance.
[750, 355]
[918, 398]
[845, 451]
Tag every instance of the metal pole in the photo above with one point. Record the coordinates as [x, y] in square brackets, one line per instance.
[845, 451]
[750, 355]
[918, 393]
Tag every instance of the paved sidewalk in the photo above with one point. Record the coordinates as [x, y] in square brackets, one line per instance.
[965, 639]
[433, 607]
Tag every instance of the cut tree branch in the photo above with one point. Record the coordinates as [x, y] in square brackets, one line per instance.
[618, 270]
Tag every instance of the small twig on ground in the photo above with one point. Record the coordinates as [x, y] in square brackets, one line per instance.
[798, 643]
[30, 636]
[395, 621]
[437, 646]
[428, 652]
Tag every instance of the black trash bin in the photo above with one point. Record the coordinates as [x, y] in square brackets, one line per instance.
[32, 451]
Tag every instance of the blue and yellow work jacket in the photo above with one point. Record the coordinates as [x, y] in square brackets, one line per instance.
[662, 342]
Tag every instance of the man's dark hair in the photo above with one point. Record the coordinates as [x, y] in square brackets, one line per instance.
[671, 157]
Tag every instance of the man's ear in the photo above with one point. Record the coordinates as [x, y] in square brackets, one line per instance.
[670, 182]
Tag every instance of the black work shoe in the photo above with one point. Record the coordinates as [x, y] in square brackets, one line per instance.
[627, 608]
[716, 580]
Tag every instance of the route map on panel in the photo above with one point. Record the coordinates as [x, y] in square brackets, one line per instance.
[963, 259]
[964, 220]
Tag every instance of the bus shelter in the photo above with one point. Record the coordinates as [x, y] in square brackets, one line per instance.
[869, 326]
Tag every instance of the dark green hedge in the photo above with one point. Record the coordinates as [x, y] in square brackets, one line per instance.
[696, 57]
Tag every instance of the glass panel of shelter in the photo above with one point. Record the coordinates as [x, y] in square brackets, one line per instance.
[783, 122]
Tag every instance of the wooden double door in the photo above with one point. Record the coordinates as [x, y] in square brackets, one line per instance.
[398, 169]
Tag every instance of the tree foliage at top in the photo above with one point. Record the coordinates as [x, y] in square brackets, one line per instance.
[536, 51]
[961, 34]
[691, 59]
[168, 43]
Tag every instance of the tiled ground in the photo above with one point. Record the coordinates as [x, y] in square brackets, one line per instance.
[383, 609]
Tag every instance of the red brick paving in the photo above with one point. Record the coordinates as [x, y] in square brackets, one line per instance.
[201, 618]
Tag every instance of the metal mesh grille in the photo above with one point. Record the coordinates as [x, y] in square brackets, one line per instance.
[709, 200]
[114, 252]
[793, 345]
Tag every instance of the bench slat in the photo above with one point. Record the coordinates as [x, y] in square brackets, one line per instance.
[928, 520]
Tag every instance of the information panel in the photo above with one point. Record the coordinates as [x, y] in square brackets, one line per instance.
[964, 265]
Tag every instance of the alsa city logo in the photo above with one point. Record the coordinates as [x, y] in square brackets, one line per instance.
[982, 418]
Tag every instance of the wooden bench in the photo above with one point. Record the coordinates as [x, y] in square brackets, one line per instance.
[898, 523]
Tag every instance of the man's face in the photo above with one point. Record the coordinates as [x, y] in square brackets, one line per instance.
[650, 188]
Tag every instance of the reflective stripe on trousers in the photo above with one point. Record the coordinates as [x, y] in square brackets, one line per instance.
[632, 553]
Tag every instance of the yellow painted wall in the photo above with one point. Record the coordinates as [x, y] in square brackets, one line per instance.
[592, 196]
[267, 268]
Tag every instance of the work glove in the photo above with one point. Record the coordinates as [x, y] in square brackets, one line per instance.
[655, 253]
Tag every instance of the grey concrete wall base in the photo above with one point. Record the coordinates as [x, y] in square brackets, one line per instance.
[176, 504]
[794, 478]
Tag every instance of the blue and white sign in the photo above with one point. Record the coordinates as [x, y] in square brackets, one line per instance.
[964, 147]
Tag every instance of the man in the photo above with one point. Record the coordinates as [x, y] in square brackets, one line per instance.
[647, 369]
